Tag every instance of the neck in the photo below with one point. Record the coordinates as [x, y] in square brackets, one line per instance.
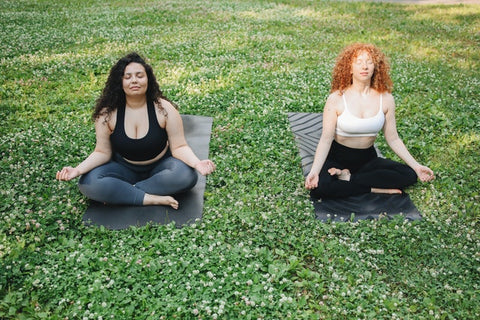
[362, 89]
[136, 103]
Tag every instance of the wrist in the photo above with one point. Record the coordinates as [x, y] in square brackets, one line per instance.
[77, 171]
[195, 164]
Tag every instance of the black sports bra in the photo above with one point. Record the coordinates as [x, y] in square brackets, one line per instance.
[145, 148]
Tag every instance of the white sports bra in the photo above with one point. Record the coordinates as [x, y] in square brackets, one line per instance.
[349, 125]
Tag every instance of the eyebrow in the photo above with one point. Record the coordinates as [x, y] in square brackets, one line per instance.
[130, 73]
[135, 72]
[368, 59]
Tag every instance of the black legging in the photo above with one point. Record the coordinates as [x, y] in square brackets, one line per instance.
[367, 169]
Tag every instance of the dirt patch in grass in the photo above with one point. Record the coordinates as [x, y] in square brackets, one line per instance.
[425, 1]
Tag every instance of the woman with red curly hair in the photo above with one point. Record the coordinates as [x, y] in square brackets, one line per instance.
[359, 106]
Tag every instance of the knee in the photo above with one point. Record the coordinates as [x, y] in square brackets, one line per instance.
[321, 191]
[87, 185]
[91, 184]
[181, 176]
[407, 177]
[87, 181]
[188, 177]
[411, 176]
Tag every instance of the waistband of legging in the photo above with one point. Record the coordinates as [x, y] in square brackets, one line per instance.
[341, 147]
[118, 158]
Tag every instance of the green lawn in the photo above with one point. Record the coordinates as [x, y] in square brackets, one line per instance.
[258, 253]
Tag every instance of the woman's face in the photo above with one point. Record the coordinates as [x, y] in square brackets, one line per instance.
[135, 80]
[363, 67]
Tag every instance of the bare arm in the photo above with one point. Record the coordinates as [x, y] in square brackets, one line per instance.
[178, 145]
[101, 154]
[323, 147]
[396, 144]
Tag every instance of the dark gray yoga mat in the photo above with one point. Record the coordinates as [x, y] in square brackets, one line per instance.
[197, 133]
[307, 128]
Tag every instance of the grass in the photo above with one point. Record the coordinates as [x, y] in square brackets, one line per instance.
[258, 253]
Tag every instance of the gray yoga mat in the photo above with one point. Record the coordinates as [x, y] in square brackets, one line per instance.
[197, 133]
[307, 129]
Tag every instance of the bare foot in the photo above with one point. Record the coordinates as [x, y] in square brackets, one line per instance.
[387, 191]
[152, 200]
[341, 174]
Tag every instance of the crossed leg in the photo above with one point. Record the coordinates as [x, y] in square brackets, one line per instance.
[345, 175]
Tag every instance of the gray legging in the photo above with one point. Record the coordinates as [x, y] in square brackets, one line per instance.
[120, 182]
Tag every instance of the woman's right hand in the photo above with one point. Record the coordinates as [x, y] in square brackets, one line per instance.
[67, 173]
[311, 181]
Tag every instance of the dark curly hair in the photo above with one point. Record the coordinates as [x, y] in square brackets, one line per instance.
[113, 96]
[342, 76]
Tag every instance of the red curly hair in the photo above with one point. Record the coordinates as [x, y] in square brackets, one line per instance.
[342, 72]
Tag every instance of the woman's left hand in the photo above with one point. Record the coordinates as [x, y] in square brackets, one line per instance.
[205, 167]
[424, 173]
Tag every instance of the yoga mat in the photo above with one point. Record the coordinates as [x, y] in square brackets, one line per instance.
[197, 133]
[307, 129]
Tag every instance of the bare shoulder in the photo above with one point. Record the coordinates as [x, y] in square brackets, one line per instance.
[388, 98]
[164, 111]
[388, 101]
[106, 120]
[334, 102]
[169, 113]
[335, 97]
[166, 108]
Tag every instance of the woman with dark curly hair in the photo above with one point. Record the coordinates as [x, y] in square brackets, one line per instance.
[141, 156]
[359, 106]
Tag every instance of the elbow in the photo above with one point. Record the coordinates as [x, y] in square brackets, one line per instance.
[178, 149]
[327, 138]
[106, 154]
[392, 139]
[175, 153]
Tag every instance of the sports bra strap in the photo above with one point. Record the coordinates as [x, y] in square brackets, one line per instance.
[344, 101]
